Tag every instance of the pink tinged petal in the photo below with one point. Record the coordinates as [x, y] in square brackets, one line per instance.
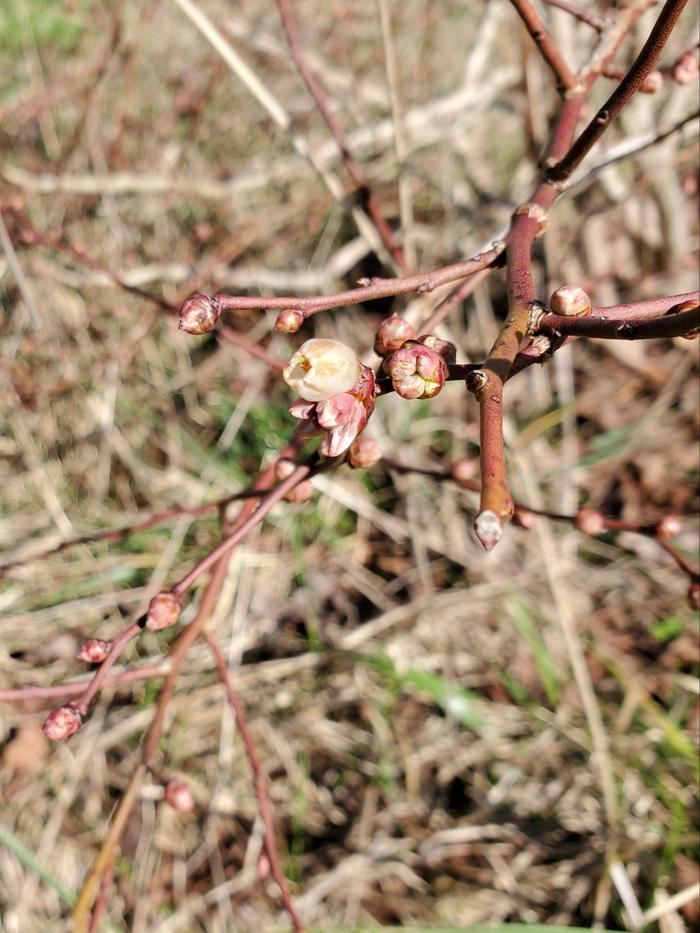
[302, 409]
[338, 410]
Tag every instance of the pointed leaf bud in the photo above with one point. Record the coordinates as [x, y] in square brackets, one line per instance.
[163, 611]
[652, 83]
[179, 796]
[289, 321]
[446, 349]
[570, 300]
[489, 528]
[199, 314]
[94, 651]
[393, 332]
[590, 522]
[321, 369]
[62, 723]
[364, 452]
[417, 371]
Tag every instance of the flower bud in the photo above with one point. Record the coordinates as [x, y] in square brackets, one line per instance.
[570, 300]
[590, 522]
[284, 468]
[179, 796]
[489, 528]
[163, 611]
[446, 349]
[62, 723]
[289, 321]
[685, 69]
[417, 371]
[342, 417]
[524, 519]
[652, 83]
[199, 314]
[321, 369]
[364, 452]
[302, 492]
[668, 527]
[94, 651]
[393, 332]
[464, 473]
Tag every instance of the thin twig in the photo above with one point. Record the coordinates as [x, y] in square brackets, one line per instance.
[544, 42]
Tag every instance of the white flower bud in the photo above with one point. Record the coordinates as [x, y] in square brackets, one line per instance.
[321, 369]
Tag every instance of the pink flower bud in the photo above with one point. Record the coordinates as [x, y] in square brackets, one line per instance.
[668, 527]
[685, 70]
[284, 468]
[321, 369]
[179, 796]
[163, 611]
[570, 300]
[364, 453]
[590, 522]
[524, 519]
[62, 723]
[289, 321]
[446, 349]
[199, 314]
[464, 472]
[652, 83]
[301, 492]
[489, 528]
[343, 417]
[417, 371]
[94, 651]
[393, 332]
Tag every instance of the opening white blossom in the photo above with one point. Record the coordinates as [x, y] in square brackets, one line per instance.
[321, 369]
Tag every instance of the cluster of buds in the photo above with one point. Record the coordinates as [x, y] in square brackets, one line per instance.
[418, 370]
[199, 314]
[337, 392]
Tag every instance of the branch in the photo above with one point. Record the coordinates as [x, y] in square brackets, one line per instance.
[645, 62]
[685, 323]
[597, 22]
[544, 42]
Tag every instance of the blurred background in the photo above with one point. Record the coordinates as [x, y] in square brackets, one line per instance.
[428, 750]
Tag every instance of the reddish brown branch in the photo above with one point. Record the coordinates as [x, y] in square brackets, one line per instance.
[597, 22]
[683, 324]
[645, 62]
[258, 780]
[319, 95]
[545, 43]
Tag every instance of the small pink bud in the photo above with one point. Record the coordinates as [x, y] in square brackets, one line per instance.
[524, 519]
[289, 321]
[179, 796]
[393, 332]
[694, 596]
[570, 300]
[62, 723]
[685, 70]
[417, 371]
[446, 349]
[199, 314]
[464, 472]
[163, 611]
[590, 522]
[284, 468]
[302, 492]
[489, 528]
[94, 651]
[652, 83]
[668, 527]
[364, 452]
[263, 866]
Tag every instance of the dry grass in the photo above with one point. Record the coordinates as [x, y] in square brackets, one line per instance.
[427, 747]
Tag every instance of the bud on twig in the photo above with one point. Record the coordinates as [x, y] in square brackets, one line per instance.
[464, 472]
[590, 522]
[392, 334]
[668, 527]
[685, 69]
[163, 611]
[570, 300]
[446, 349]
[289, 321]
[321, 369]
[652, 83]
[94, 651]
[417, 371]
[364, 452]
[179, 796]
[489, 528]
[199, 314]
[62, 723]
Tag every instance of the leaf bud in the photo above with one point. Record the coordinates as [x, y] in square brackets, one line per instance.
[289, 321]
[570, 300]
[199, 314]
